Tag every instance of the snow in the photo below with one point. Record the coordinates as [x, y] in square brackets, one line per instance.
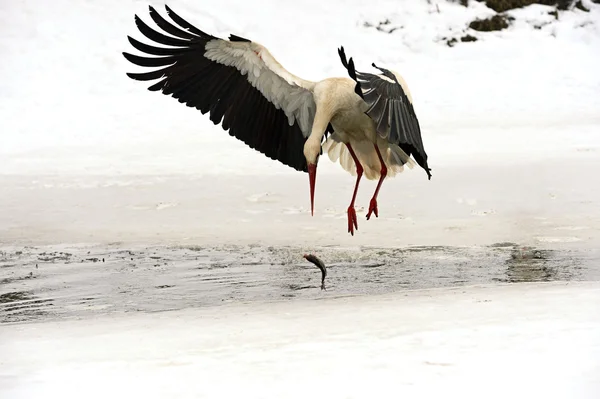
[66, 66]
[539, 205]
[512, 129]
[519, 104]
[528, 340]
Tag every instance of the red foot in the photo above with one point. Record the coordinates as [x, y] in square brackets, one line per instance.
[373, 208]
[352, 221]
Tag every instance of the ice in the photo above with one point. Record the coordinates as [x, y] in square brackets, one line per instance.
[57, 282]
[531, 204]
[511, 119]
[517, 341]
[89, 159]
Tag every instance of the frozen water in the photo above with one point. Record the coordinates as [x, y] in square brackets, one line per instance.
[523, 340]
[70, 282]
[190, 222]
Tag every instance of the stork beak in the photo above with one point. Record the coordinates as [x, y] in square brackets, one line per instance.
[312, 177]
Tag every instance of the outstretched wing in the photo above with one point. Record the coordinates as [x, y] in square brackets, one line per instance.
[237, 81]
[390, 106]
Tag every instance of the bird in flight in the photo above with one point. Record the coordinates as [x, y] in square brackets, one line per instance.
[366, 122]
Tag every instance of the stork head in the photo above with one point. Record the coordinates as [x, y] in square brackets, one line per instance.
[312, 150]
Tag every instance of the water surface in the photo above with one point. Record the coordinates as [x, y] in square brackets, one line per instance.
[57, 282]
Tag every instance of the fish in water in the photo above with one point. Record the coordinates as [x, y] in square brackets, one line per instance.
[319, 263]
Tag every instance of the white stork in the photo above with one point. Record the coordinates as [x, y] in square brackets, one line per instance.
[367, 122]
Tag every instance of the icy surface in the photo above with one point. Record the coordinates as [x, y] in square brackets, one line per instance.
[131, 227]
[540, 204]
[71, 282]
[510, 122]
[519, 341]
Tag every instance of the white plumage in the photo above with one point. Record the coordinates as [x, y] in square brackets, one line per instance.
[393, 156]
[284, 90]
[370, 119]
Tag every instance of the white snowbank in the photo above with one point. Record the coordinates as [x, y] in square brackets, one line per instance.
[544, 204]
[517, 341]
[68, 107]
[510, 122]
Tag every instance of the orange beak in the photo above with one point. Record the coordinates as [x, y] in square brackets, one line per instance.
[312, 178]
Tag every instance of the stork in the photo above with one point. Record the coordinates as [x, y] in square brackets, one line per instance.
[366, 122]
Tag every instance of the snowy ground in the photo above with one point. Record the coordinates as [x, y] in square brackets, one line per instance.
[510, 122]
[93, 165]
[69, 108]
[496, 342]
[537, 204]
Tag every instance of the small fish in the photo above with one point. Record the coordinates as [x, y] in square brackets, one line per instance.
[319, 263]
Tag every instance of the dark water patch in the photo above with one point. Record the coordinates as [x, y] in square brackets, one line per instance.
[27, 304]
[9, 280]
[503, 245]
[295, 287]
[237, 282]
[143, 279]
[84, 300]
[216, 266]
[431, 248]
[195, 248]
[529, 264]
[373, 265]
[22, 306]
[15, 296]
[54, 256]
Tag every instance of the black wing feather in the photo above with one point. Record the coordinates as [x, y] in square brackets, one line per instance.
[349, 65]
[390, 109]
[157, 36]
[148, 62]
[217, 89]
[168, 27]
[146, 48]
[186, 25]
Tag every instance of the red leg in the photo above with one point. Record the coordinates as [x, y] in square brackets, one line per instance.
[352, 221]
[373, 203]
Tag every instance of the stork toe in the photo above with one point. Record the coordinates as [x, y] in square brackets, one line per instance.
[352, 220]
[373, 208]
